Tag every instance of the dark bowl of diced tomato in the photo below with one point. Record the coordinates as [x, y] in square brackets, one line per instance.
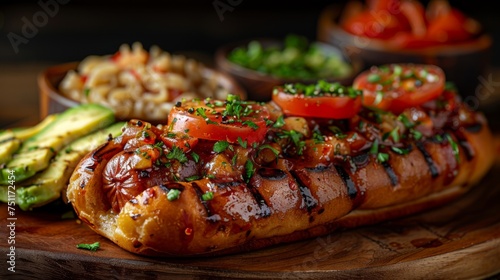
[261, 64]
[392, 31]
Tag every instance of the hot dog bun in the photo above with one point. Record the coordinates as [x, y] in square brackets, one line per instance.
[233, 221]
[288, 198]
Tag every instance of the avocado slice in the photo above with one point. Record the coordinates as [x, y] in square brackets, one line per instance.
[8, 146]
[11, 139]
[48, 185]
[24, 133]
[26, 165]
[37, 151]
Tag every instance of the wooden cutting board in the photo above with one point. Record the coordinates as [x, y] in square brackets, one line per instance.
[458, 241]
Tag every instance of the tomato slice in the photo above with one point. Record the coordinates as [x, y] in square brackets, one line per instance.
[371, 25]
[382, 19]
[414, 11]
[452, 27]
[411, 24]
[220, 120]
[322, 100]
[395, 87]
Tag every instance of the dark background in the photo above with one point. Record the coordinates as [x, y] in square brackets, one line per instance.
[81, 28]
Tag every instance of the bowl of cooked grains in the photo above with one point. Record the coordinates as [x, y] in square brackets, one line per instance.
[133, 82]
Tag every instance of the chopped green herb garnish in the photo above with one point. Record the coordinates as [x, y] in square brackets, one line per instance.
[86, 92]
[395, 134]
[158, 145]
[234, 160]
[269, 122]
[211, 105]
[318, 137]
[195, 157]
[201, 112]
[295, 58]
[423, 73]
[382, 157]
[192, 178]
[373, 78]
[173, 194]
[397, 70]
[209, 121]
[249, 170]
[279, 122]
[207, 196]
[171, 126]
[406, 122]
[378, 97]
[176, 178]
[219, 103]
[251, 124]
[374, 148]
[266, 146]
[321, 88]
[178, 154]
[400, 151]
[220, 146]
[295, 137]
[234, 110]
[417, 135]
[241, 142]
[454, 147]
[337, 132]
[90, 247]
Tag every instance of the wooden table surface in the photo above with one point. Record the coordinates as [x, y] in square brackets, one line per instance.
[458, 241]
[19, 107]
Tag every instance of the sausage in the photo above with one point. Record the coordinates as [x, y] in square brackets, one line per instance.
[284, 200]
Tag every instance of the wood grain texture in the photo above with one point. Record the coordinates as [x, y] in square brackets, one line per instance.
[458, 241]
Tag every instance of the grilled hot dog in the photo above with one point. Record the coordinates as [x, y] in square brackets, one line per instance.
[164, 191]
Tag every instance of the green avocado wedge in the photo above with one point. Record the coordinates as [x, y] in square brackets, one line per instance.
[37, 151]
[24, 133]
[9, 144]
[11, 139]
[48, 185]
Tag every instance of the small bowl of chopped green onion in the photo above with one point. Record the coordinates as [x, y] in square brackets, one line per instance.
[261, 64]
